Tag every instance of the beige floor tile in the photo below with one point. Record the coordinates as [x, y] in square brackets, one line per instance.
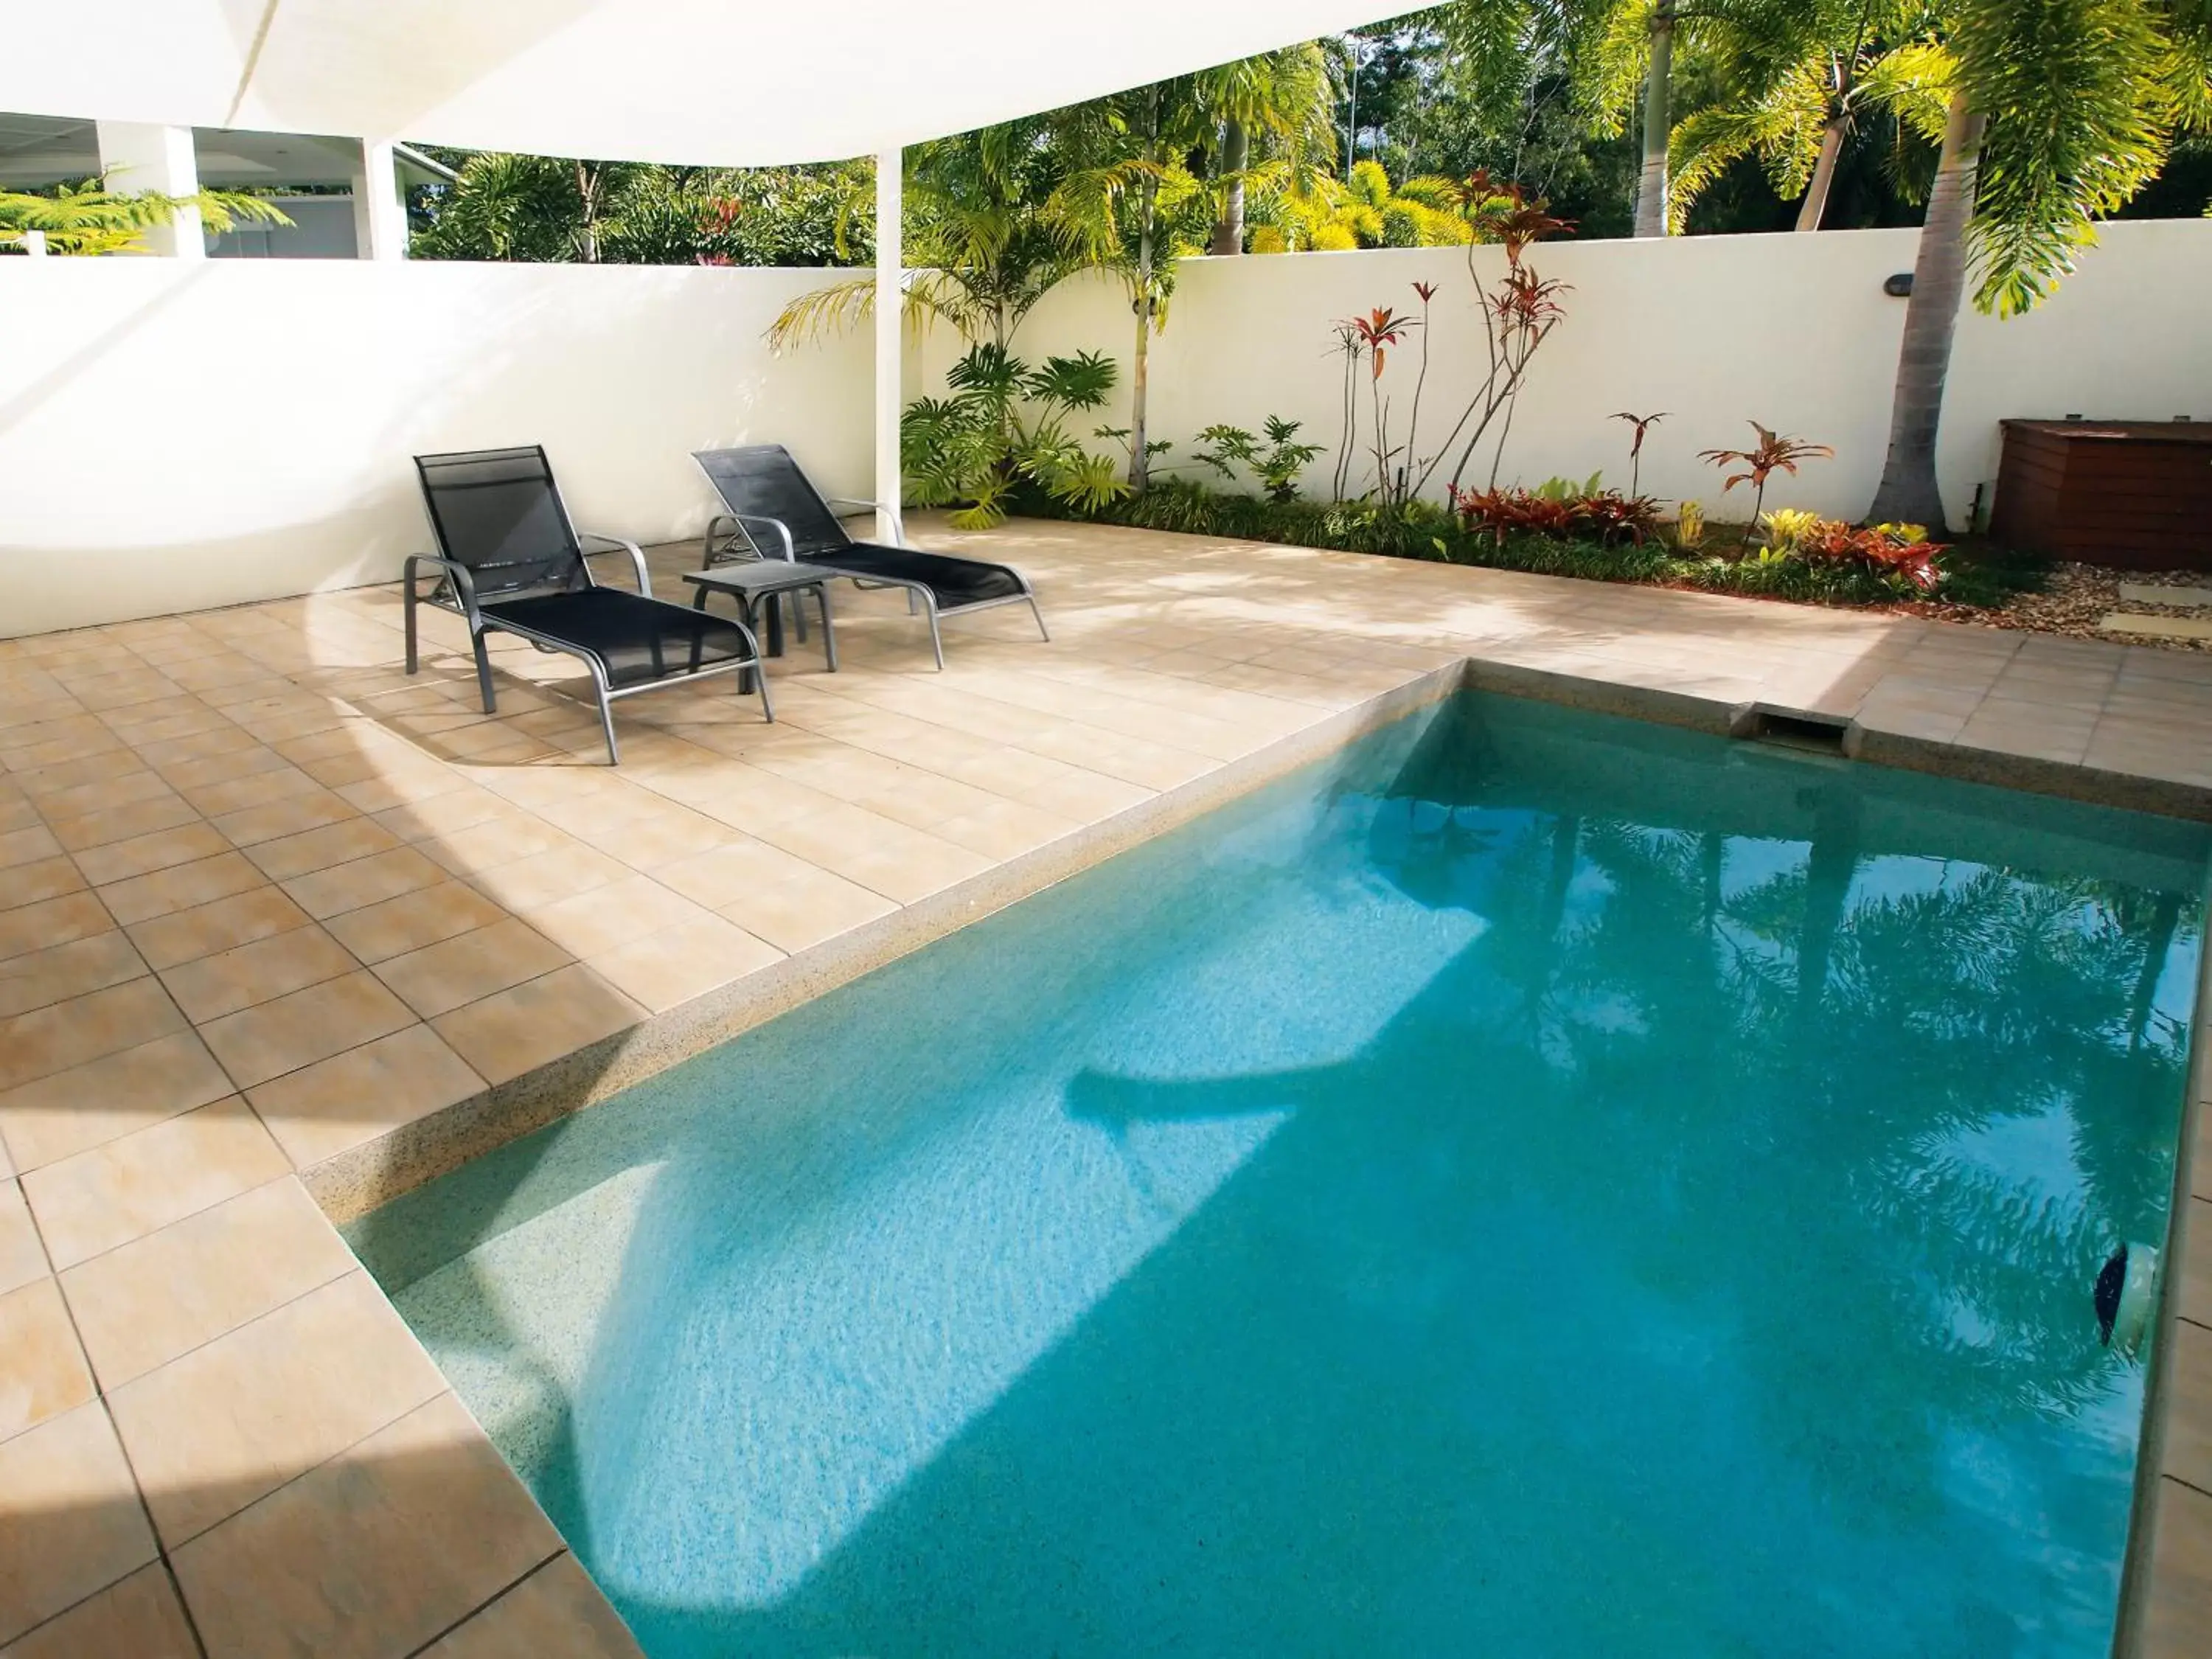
[363, 882]
[268, 778]
[235, 1418]
[39, 925]
[122, 822]
[70, 1521]
[85, 1027]
[47, 878]
[424, 917]
[2188, 1449]
[318, 849]
[112, 787]
[222, 924]
[310, 810]
[246, 976]
[902, 864]
[62, 971]
[374, 1553]
[443, 977]
[288, 1032]
[518, 1031]
[42, 1369]
[608, 917]
[2193, 1289]
[65, 1113]
[128, 1188]
[329, 1108]
[141, 1305]
[140, 855]
[138, 1619]
[548, 878]
[557, 1612]
[669, 968]
[26, 846]
[2177, 1616]
[180, 887]
[23, 1257]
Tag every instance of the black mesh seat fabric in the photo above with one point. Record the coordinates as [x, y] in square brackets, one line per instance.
[771, 499]
[509, 557]
[957, 582]
[636, 640]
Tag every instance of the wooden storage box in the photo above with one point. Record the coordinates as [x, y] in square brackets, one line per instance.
[2137, 494]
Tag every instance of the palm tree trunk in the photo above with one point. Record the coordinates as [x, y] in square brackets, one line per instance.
[1140, 363]
[1658, 125]
[587, 234]
[1908, 492]
[1815, 203]
[1236, 151]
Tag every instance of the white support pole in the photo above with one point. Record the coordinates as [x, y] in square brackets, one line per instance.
[379, 212]
[890, 343]
[138, 158]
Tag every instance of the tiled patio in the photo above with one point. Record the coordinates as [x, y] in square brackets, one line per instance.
[276, 920]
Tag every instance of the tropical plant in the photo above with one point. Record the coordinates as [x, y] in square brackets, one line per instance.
[1774, 453]
[1849, 70]
[1378, 331]
[1275, 468]
[87, 217]
[1364, 210]
[1689, 524]
[1898, 553]
[1641, 425]
[1005, 425]
[1560, 508]
[1787, 527]
[2058, 112]
[1274, 129]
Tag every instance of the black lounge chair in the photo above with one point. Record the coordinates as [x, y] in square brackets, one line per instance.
[508, 558]
[774, 512]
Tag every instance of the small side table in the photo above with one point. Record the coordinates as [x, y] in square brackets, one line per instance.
[752, 582]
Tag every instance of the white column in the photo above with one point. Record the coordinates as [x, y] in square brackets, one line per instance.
[138, 158]
[380, 211]
[890, 302]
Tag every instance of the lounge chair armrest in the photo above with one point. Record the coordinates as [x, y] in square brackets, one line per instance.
[618, 544]
[839, 503]
[747, 522]
[464, 587]
[724, 528]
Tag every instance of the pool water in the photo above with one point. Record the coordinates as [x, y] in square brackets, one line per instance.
[1536, 1184]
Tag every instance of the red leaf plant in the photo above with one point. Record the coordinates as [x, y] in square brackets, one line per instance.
[1775, 452]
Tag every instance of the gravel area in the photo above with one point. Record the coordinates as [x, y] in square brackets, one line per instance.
[2077, 599]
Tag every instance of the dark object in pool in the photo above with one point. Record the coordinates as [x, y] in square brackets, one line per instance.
[2112, 1278]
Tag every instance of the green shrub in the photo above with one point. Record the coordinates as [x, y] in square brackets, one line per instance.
[1421, 530]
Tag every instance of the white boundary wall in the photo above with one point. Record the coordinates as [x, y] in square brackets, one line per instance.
[179, 436]
[1791, 331]
[174, 435]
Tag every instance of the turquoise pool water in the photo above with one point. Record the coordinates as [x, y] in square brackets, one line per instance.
[1537, 1184]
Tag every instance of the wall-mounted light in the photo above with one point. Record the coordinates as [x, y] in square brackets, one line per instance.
[1898, 287]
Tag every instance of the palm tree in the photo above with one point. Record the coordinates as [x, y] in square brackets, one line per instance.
[89, 218]
[1798, 96]
[1283, 101]
[2059, 111]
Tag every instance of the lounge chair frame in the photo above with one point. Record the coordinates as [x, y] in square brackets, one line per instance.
[732, 536]
[456, 591]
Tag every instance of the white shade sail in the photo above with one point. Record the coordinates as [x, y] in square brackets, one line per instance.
[728, 82]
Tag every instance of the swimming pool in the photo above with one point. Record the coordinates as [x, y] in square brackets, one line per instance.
[1536, 1183]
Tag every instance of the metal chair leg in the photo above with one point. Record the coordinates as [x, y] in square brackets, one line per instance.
[483, 671]
[936, 639]
[407, 608]
[828, 629]
[607, 726]
[1039, 614]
